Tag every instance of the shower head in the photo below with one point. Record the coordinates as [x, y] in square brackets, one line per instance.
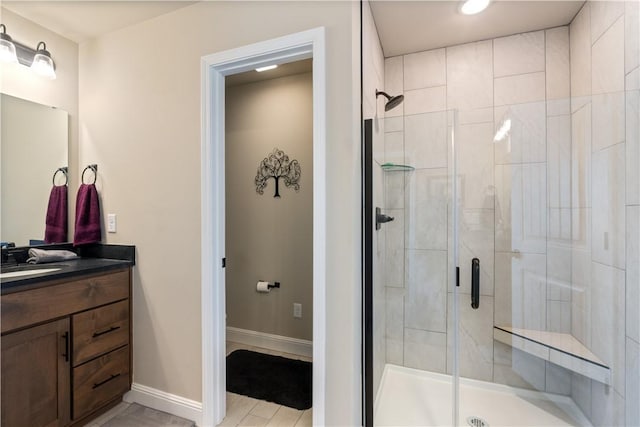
[393, 101]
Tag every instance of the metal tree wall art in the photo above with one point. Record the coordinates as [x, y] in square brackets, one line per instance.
[277, 166]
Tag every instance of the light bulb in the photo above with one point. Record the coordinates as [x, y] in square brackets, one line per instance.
[42, 62]
[7, 48]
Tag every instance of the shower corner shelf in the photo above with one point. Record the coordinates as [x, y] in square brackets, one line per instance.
[558, 348]
[392, 167]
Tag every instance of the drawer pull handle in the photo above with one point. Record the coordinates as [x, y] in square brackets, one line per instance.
[113, 376]
[111, 329]
[65, 337]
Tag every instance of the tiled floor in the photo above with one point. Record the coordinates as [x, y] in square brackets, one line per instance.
[246, 411]
[241, 410]
[134, 415]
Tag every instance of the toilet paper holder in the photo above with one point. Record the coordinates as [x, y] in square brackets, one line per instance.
[271, 286]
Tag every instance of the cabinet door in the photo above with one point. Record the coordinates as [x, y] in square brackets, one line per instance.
[36, 376]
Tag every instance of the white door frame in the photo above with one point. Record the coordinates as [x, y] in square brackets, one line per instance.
[307, 44]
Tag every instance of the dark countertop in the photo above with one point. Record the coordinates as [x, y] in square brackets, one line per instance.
[95, 258]
[67, 270]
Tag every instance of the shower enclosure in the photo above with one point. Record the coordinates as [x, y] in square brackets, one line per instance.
[504, 290]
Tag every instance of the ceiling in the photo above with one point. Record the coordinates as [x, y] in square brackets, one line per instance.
[288, 69]
[414, 26]
[84, 20]
[403, 26]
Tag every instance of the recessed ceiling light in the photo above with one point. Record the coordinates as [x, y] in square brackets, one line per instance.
[471, 7]
[267, 68]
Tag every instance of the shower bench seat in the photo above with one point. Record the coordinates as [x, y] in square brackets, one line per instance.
[558, 348]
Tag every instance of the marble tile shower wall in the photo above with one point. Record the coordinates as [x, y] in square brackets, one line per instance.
[605, 205]
[515, 195]
[553, 212]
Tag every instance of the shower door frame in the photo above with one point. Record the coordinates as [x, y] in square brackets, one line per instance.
[367, 273]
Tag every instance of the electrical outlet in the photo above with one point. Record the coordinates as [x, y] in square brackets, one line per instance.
[297, 310]
[112, 224]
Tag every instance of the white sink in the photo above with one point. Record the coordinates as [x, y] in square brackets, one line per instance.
[27, 272]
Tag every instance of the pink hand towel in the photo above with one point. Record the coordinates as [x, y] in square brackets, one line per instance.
[88, 227]
[56, 224]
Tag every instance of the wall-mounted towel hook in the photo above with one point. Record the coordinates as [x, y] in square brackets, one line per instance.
[64, 171]
[94, 169]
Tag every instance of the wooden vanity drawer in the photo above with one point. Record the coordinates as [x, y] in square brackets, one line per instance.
[99, 381]
[21, 309]
[99, 331]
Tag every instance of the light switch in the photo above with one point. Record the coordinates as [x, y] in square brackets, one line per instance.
[112, 224]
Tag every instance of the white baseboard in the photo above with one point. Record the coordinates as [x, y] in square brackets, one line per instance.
[272, 342]
[166, 402]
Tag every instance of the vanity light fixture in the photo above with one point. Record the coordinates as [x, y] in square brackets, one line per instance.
[267, 68]
[471, 7]
[42, 63]
[7, 48]
[38, 59]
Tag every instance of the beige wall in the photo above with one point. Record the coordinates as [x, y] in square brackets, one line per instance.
[269, 238]
[140, 122]
[62, 93]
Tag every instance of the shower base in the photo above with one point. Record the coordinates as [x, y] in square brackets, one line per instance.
[410, 397]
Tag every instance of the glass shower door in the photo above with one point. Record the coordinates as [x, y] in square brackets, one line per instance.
[413, 294]
[492, 302]
[513, 238]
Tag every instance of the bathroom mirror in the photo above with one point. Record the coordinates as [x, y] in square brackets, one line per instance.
[33, 145]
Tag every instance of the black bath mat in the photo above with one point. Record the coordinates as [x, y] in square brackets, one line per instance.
[272, 378]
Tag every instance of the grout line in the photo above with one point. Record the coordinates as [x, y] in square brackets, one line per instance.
[593, 43]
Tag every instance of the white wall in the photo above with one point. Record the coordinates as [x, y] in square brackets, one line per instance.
[269, 238]
[62, 93]
[605, 94]
[140, 122]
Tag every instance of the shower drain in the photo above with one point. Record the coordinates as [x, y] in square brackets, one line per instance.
[477, 422]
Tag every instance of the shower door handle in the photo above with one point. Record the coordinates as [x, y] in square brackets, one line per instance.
[475, 283]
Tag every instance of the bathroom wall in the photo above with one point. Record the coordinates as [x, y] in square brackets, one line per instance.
[373, 108]
[19, 81]
[141, 122]
[511, 197]
[269, 238]
[605, 212]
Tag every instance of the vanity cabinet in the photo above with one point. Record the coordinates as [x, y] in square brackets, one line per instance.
[36, 376]
[66, 349]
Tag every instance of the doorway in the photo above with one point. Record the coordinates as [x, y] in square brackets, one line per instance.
[215, 69]
[269, 243]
